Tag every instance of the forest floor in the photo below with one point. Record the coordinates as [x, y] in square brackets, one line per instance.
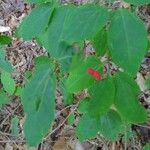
[61, 137]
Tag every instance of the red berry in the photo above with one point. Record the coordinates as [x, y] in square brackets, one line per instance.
[94, 73]
[90, 71]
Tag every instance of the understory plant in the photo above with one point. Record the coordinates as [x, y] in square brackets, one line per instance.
[7, 84]
[112, 104]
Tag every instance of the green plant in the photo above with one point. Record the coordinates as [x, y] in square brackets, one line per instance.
[7, 82]
[113, 101]
[147, 82]
[146, 147]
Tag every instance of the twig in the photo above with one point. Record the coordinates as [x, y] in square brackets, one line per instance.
[12, 141]
[58, 113]
[144, 126]
[53, 131]
[9, 115]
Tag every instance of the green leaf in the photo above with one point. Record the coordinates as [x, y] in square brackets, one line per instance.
[36, 22]
[87, 128]
[148, 45]
[36, 1]
[28, 75]
[102, 96]
[84, 105]
[99, 42]
[84, 22]
[60, 30]
[128, 132]
[66, 17]
[110, 125]
[127, 40]
[52, 37]
[65, 55]
[78, 78]
[147, 82]
[8, 82]
[2, 53]
[39, 1]
[138, 2]
[3, 98]
[4, 64]
[4, 40]
[71, 119]
[77, 58]
[146, 147]
[67, 97]
[126, 99]
[18, 91]
[14, 126]
[38, 99]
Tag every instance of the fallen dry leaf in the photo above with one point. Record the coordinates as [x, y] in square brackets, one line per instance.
[61, 144]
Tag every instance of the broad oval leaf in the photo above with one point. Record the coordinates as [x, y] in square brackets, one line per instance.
[67, 97]
[87, 127]
[64, 56]
[38, 99]
[52, 37]
[138, 2]
[3, 98]
[84, 23]
[73, 24]
[79, 79]
[110, 125]
[126, 99]
[4, 64]
[127, 40]
[100, 43]
[60, 29]
[102, 96]
[5, 40]
[36, 22]
[84, 105]
[8, 82]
